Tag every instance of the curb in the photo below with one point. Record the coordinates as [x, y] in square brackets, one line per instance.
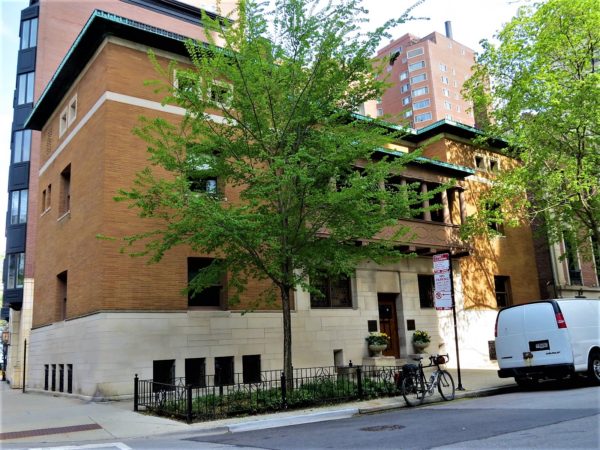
[293, 420]
[348, 412]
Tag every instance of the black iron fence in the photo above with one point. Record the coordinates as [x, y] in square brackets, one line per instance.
[213, 399]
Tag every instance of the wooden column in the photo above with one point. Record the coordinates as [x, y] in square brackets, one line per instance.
[463, 206]
[427, 213]
[447, 218]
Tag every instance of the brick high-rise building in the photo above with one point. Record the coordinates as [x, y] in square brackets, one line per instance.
[427, 76]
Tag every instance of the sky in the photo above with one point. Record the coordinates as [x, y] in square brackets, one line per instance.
[472, 20]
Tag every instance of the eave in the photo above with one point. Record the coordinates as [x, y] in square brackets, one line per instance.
[99, 26]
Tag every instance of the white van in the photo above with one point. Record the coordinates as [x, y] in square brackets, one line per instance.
[549, 339]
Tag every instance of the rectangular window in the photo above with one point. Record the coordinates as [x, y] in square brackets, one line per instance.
[405, 101]
[426, 289]
[416, 66]
[72, 110]
[163, 375]
[446, 92]
[251, 368]
[65, 191]
[572, 258]
[18, 207]
[405, 88]
[22, 146]
[195, 372]
[423, 117]
[29, 30]
[502, 288]
[16, 270]
[416, 52]
[210, 296]
[335, 293]
[70, 378]
[25, 83]
[379, 112]
[46, 376]
[403, 76]
[185, 85]
[444, 79]
[443, 67]
[448, 105]
[448, 117]
[408, 113]
[494, 165]
[422, 104]
[220, 93]
[61, 378]
[421, 91]
[480, 162]
[53, 379]
[224, 374]
[418, 78]
[63, 122]
[61, 293]
[46, 198]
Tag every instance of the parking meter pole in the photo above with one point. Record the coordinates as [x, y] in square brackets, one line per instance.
[460, 386]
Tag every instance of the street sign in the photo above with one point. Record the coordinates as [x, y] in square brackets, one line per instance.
[442, 283]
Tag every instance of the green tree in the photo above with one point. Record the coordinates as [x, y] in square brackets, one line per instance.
[541, 89]
[286, 82]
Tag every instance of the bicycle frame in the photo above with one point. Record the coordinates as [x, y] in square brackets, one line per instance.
[416, 386]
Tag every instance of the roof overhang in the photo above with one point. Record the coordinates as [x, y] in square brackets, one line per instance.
[99, 26]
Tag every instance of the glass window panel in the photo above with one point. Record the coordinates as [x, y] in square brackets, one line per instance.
[23, 206]
[25, 34]
[26, 149]
[18, 146]
[30, 82]
[14, 207]
[21, 88]
[16, 270]
[33, 33]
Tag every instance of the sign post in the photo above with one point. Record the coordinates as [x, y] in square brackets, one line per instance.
[444, 297]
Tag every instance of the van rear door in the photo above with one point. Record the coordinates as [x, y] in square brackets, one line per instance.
[529, 335]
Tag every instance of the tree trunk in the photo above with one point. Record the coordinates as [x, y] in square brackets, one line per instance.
[287, 336]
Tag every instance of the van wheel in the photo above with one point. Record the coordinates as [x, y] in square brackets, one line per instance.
[526, 383]
[594, 367]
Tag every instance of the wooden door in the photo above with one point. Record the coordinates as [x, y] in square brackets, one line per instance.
[388, 323]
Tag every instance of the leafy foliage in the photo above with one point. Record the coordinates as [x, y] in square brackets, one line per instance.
[541, 89]
[269, 114]
[421, 336]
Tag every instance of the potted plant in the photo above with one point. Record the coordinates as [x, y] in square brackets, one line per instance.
[377, 342]
[420, 340]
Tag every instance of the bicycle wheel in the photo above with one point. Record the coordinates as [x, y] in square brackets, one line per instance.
[412, 391]
[446, 385]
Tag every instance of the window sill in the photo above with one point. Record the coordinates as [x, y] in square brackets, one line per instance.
[66, 214]
[46, 211]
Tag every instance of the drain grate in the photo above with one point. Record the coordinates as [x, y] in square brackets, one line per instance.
[383, 428]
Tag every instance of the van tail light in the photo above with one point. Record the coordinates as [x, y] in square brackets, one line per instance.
[560, 320]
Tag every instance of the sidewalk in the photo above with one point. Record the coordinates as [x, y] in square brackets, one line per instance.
[44, 418]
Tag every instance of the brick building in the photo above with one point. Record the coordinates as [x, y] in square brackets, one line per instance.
[48, 29]
[426, 76]
[100, 316]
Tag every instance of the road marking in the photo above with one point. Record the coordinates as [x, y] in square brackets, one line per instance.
[44, 431]
[108, 445]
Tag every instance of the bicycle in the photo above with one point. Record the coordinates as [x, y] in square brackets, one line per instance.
[415, 387]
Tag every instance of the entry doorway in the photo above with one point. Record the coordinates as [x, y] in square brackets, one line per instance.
[388, 322]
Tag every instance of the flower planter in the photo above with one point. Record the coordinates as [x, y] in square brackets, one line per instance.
[376, 349]
[420, 346]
